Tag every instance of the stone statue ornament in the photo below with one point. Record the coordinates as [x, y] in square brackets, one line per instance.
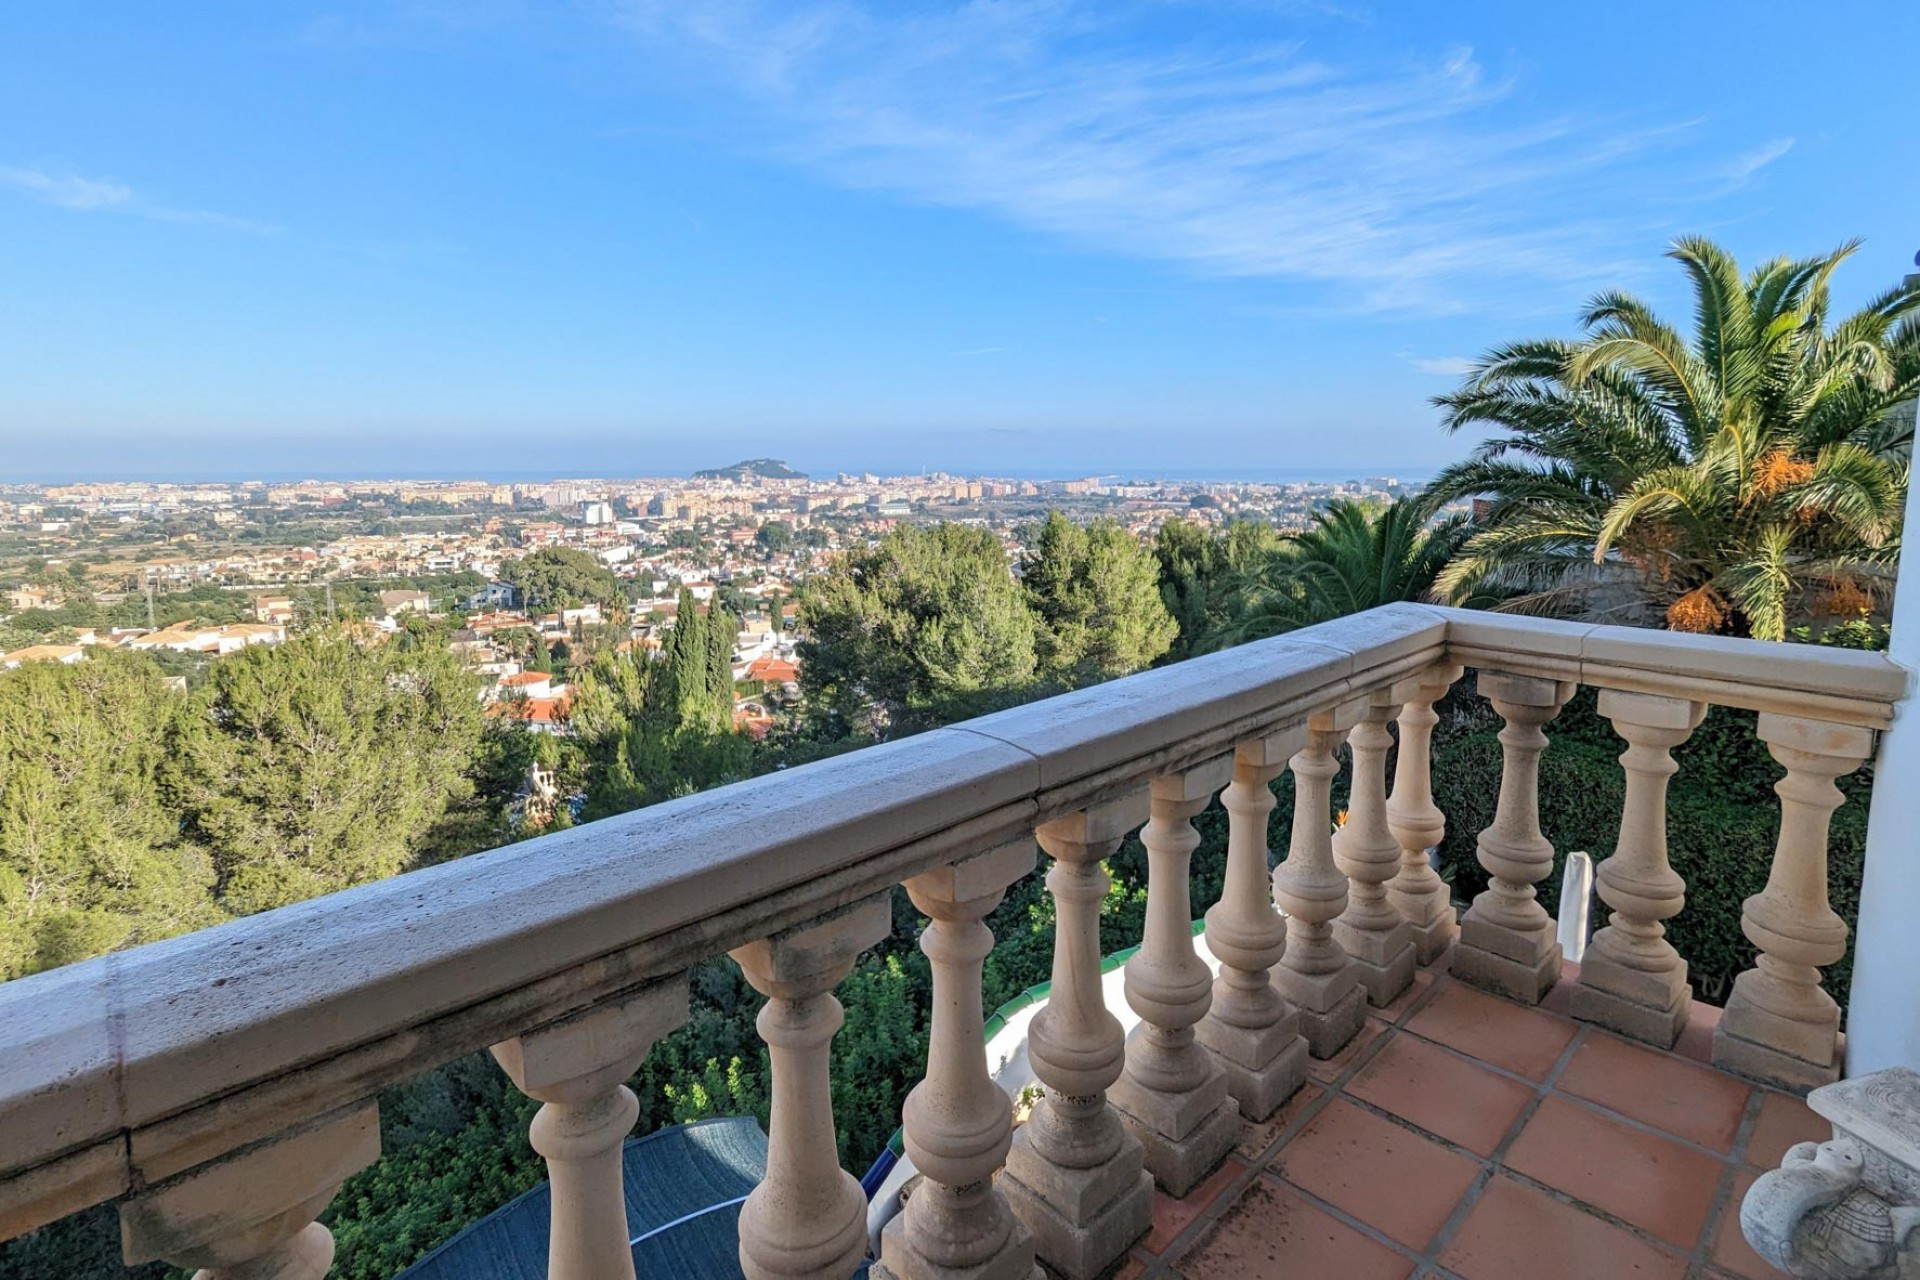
[1848, 1208]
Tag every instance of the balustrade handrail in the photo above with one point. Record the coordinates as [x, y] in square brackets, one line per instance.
[123, 1071]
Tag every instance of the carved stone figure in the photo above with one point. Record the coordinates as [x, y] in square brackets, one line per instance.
[1849, 1208]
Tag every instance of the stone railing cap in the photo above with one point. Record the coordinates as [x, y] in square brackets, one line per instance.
[1882, 1106]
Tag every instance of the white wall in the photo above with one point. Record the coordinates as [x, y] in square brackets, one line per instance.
[1883, 1018]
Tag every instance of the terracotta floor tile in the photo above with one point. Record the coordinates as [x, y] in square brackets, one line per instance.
[1442, 1092]
[1327, 1072]
[1387, 1176]
[1256, 1138]
[1516, 1232]
[1559, 997]
[1653, 1182]
[1396, 1008]
[1523, 1041]
[1730, 1248]
[1784, 1121]
[1272, 1233]
[1135, 1264]
[1696, 1038]
[1170, 1216]
[1682, 1098]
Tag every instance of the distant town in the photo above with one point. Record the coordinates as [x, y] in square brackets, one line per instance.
[193, 571]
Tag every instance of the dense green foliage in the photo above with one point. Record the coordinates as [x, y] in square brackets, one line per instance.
[322, 764]
[1198, 573]
[92, 855]
[130, 811]
[930, 626]
[1095, 594]
[924, 628]
[564, 578]
[646, 731]
[1745, 479]
[1355, 556]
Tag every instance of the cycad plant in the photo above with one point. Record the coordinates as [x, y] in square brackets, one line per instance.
[1743, 481]
[1355, 556]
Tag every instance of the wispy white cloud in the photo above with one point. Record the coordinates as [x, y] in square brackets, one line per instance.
[105, 195]
[1744, 166]
[69, 191]
[1408, 184]
[1446, 366]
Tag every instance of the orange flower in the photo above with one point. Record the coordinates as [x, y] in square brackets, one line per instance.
[1844, 599]
[1779, 470]
[1701, 610]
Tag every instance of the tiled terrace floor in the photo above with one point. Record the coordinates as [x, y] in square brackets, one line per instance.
[1464, 1136]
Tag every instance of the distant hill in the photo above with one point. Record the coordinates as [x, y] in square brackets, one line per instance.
[753, 468]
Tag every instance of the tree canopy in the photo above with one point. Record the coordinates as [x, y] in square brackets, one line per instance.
[915, 630]
[324, 763]
[1198, 572]
[1355, 556]
[1095, 594]
[92, 854]
[564, 578]
[1741, 478]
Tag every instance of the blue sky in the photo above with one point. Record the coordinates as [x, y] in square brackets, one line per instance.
[627, 236]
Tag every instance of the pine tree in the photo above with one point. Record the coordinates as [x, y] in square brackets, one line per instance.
[322, 764]
[91, 851]
[925, 628]
[1095, 594]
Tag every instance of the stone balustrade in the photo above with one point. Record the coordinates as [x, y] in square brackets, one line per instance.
[221, 1086]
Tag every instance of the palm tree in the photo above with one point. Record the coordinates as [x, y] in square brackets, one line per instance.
[1741, 482]
[1354, 556]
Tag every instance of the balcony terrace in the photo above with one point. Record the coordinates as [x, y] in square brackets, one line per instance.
[1344, 1098]
[1466, 1135]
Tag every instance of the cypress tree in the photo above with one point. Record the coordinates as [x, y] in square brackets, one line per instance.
[722, 631]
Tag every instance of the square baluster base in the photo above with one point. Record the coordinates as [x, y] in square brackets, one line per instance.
[898, 1261]
[1332, 1006]
[1083, 1220]
[1432, 918]
[1183, 1136]
[1431, 940]
[1812, 1037]
[1648, 1007]
[1769, 1065]
[1263, 1068]
[1384, 963]
[1520, 966]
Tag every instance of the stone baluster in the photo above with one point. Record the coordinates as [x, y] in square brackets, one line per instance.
[1319, 977]
[1779, 1025]
[1417, 891]
[808, 1217]
[251, 1215]
[957, 1122]
[1508, 942]
[1252, 1031]
[1371, 930]
[1075, 1175]
[1172, 1097]
[1632, 980]
[577, 1067]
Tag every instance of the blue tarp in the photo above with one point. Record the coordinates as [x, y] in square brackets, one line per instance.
[684, 1188]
